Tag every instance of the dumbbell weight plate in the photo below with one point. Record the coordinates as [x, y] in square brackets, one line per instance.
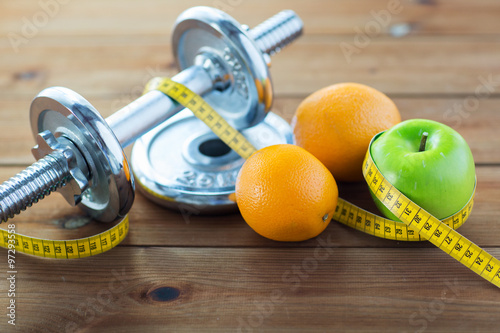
[182, 165]
[211, 32]
[65, 113]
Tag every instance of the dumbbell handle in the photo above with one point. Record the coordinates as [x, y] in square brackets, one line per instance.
[153, 108]
[134, 120]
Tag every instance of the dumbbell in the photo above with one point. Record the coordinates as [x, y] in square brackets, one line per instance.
[80, 154]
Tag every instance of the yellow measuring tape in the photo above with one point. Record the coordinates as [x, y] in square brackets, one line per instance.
[65, 249]
[204, 112]
[417, 224]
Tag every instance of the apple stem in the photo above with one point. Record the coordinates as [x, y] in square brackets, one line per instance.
[423, 141]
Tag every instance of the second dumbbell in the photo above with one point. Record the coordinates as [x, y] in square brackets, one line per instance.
[81, 154]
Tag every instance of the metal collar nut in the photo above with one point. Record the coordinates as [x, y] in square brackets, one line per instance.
[69, 159]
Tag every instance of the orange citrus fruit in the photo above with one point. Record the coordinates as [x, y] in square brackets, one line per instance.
[286, 194]
[337, 123]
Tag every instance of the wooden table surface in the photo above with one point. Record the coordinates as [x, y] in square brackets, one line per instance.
[438, 59]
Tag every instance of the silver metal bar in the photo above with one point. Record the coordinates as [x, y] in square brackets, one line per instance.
[153, 108]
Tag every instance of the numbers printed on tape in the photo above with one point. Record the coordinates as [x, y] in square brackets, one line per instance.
[439, 233]
[204, 112]
[416, 225]
[68, 249]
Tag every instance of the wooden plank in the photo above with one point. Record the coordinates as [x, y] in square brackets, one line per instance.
[186, 272]
[16, 139]
[113, 17]
[252, 290]
[74, 63]
[152, 225]
[478, 126]
[109, 66]
[409, 66]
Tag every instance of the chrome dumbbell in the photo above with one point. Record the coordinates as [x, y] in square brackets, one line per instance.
[80, 154]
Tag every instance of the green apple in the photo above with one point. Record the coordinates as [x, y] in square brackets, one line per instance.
[428, 162]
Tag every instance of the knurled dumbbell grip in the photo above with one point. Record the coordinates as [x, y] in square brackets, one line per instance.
[32, 184]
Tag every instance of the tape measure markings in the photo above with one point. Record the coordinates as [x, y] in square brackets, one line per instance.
[441, 235]
[377, 226]
[417, 224]
[68, 249]
[203, 111]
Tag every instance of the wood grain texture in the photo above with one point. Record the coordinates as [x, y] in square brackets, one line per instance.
[189, 273]
[156, 17]
[152, 225]
[103, 66]
[478, 125]
[255, 290]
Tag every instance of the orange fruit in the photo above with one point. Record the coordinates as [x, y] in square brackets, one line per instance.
[284, 193]
[337, 123]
